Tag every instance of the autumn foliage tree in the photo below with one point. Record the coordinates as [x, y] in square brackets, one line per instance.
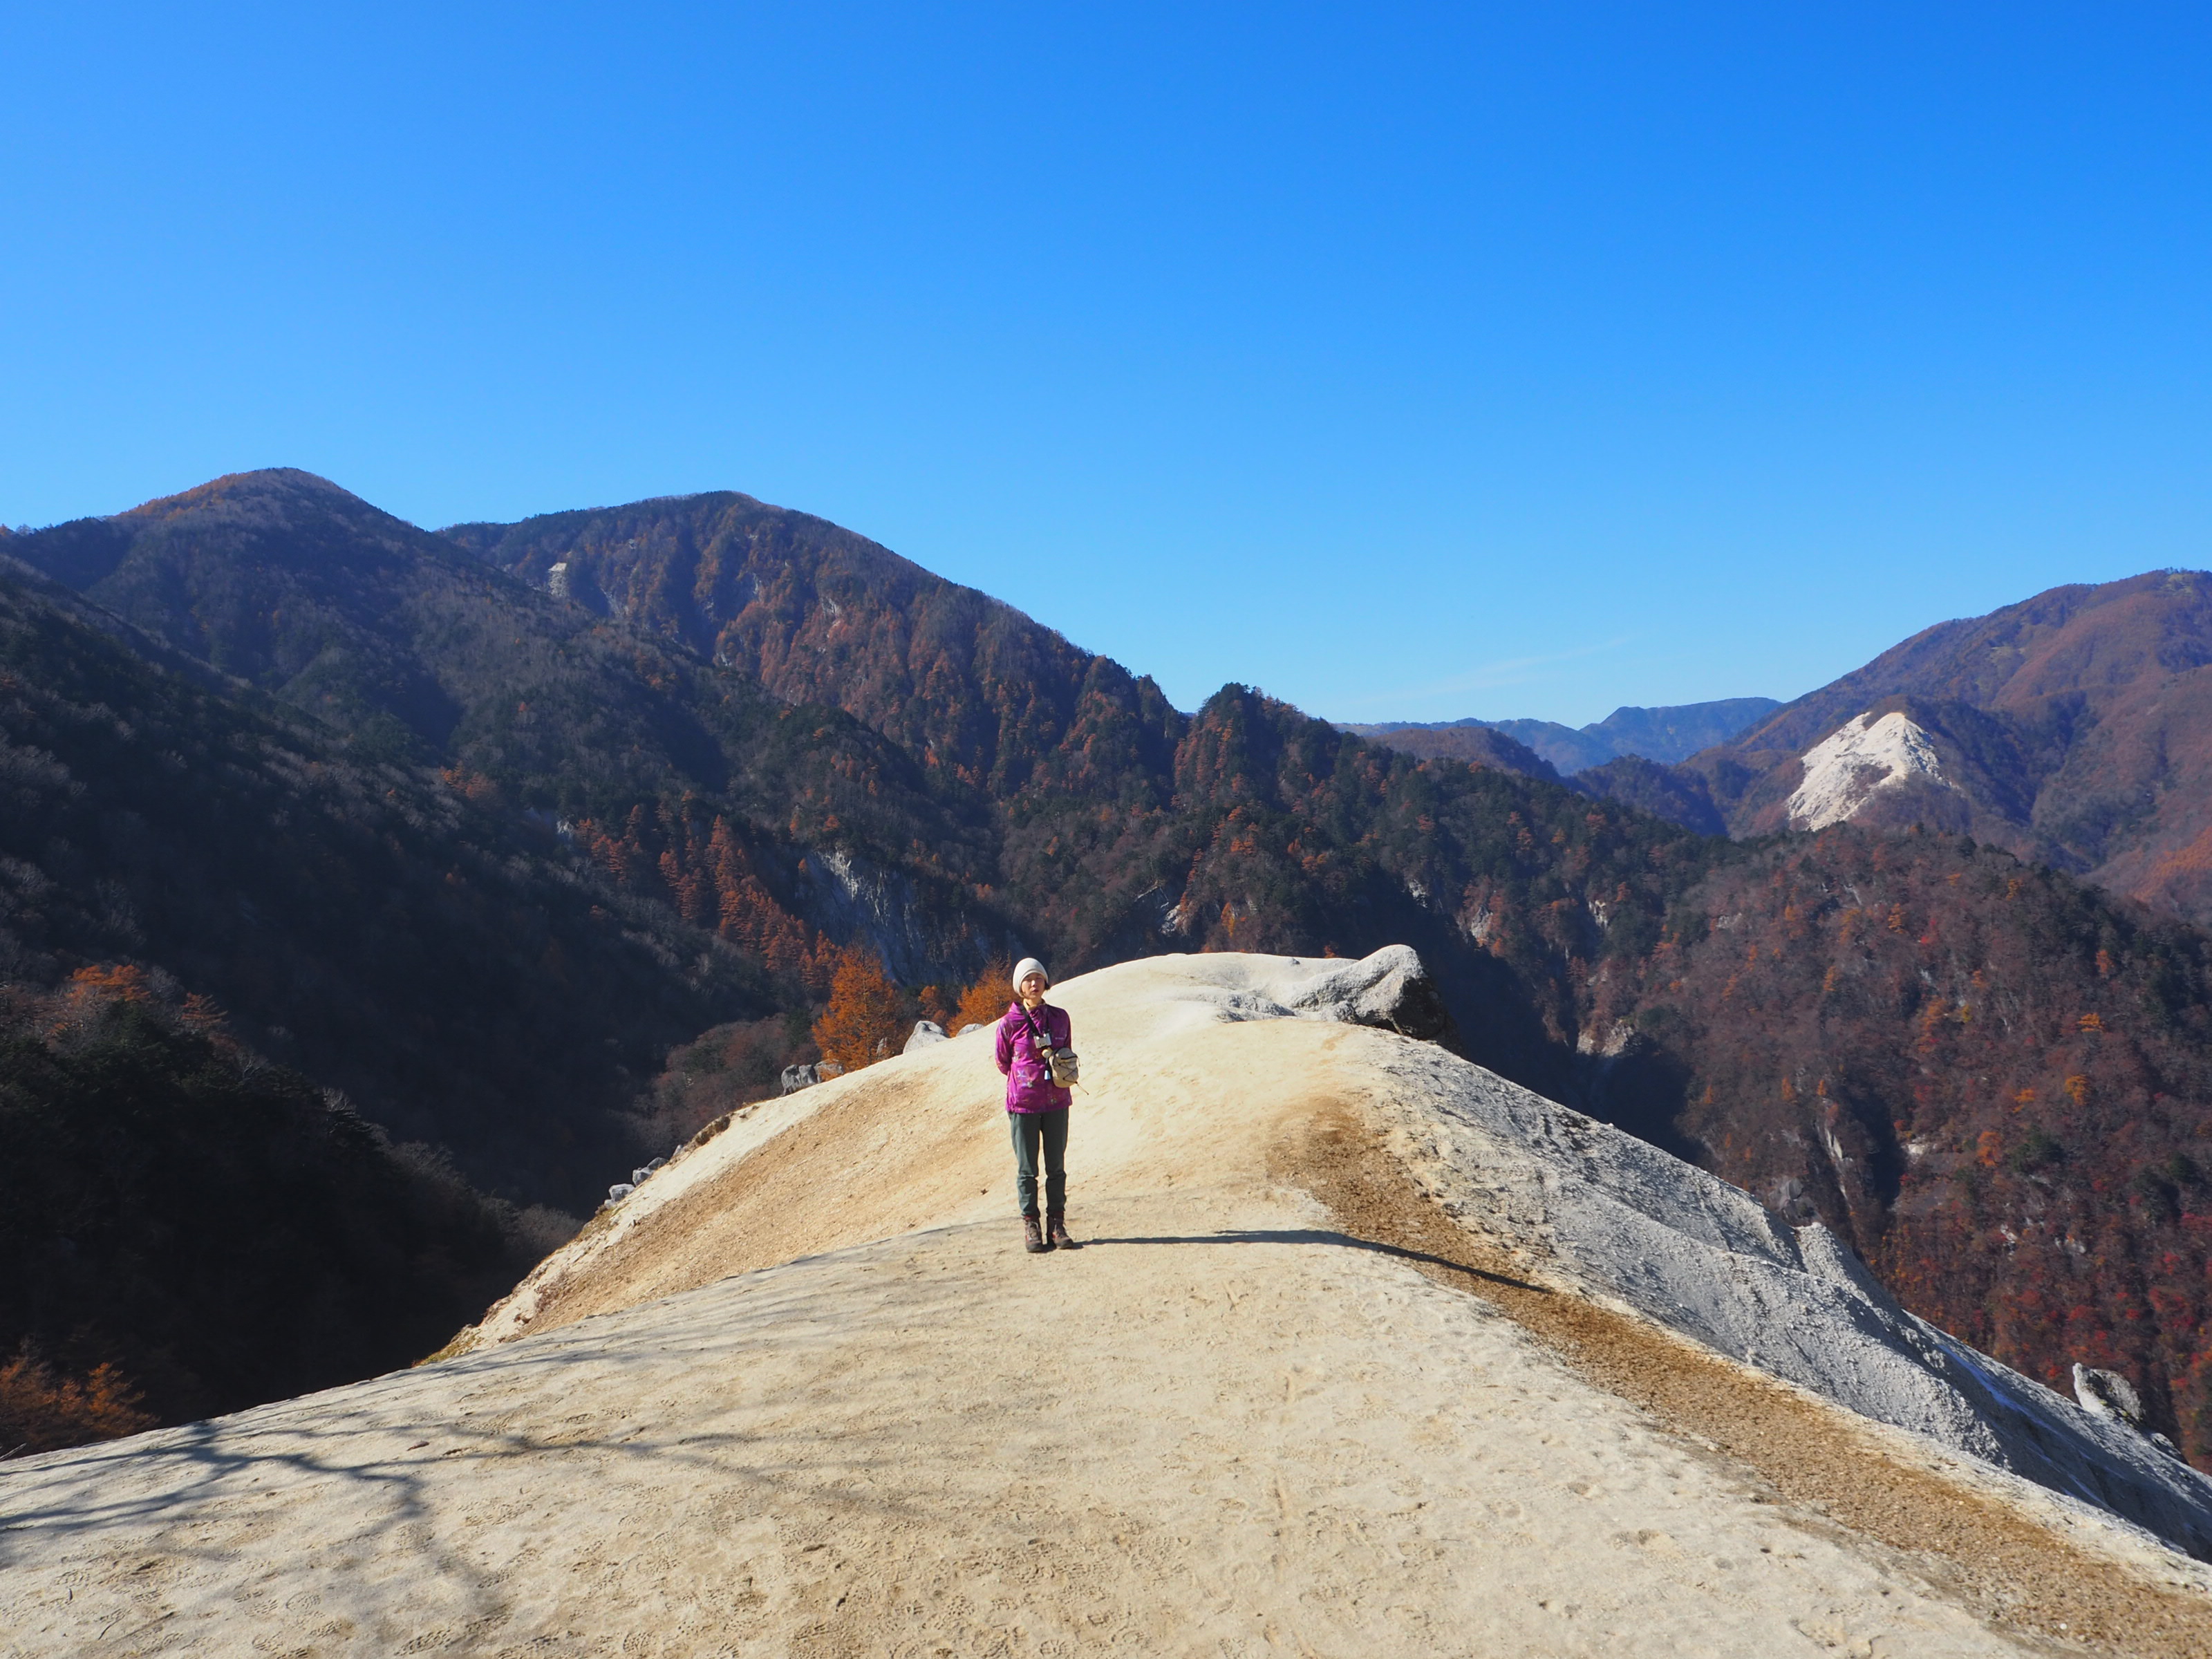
[698, 865]
[984, 1003]
[41, 1410]
[864, 1020]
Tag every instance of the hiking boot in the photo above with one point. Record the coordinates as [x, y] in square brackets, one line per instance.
[1056, 1233]
[1033, 1238]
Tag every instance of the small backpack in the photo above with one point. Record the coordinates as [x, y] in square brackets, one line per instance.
[1060, 1063]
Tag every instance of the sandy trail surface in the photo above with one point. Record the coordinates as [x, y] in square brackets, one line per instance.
[812, 1398]
[1242, 1438]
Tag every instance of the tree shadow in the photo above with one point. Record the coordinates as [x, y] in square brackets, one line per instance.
[181, 1495]
[1320, 1236]
[178, 1496]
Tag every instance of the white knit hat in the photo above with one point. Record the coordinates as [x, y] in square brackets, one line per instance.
[1025, 968]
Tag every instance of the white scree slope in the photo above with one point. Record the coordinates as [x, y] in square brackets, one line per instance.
[1858, 758]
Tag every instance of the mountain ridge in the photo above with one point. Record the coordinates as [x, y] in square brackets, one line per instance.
[2070, 727]
[1585, 948]
[1361, 1349]
[319, 898]
[1664, 735]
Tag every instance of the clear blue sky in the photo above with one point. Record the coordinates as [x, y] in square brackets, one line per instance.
[1415, 363]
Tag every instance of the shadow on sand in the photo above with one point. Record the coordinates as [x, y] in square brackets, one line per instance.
[1319, 1236]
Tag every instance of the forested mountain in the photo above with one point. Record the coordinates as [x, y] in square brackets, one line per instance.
[1995, 1081]
[1624, 756]
[978, 693]
[1120, 825]
[2075, 727]
[2071, 728]
[771, 739]
[1575, 938]
[1678, 732]
[1676, 794]
[445, 965]
[793, 736]
[194, 1231]
[195, 879]
[1471, 741]
[416, 651]
[686, 781]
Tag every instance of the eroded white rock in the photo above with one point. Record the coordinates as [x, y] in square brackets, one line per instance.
[1862, 756]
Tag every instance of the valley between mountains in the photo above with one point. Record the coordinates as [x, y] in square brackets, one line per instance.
[448, 876]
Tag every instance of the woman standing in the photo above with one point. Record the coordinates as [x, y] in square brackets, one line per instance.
[1036, 1107]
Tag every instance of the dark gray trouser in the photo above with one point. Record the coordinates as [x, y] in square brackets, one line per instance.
[1035, 1131]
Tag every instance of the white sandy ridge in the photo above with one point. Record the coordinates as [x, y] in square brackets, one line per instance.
[1859, 758]
[802, 1393]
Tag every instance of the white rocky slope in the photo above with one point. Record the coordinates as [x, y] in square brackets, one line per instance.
[1859, 758]
[802, 1394]
[1688, 1250]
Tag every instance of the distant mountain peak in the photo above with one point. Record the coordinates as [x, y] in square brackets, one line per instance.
[1663, 734]
[2069, 727]
[263, 484]
[481, 532]
[1860, 757]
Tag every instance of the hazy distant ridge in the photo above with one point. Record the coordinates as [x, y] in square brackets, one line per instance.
[1666, 735]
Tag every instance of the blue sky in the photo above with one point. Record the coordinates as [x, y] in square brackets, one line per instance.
[1405, 362]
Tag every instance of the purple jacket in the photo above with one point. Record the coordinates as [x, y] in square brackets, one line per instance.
[1030, 1087]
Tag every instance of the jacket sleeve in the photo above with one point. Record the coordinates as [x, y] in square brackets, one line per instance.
[1006, 1047]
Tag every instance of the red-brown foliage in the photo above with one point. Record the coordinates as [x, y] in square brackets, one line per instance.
[42, 1411]
[729, 1066]
[863, 1021]
[1997, 1083]
[984, 1003]
[699, 866]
